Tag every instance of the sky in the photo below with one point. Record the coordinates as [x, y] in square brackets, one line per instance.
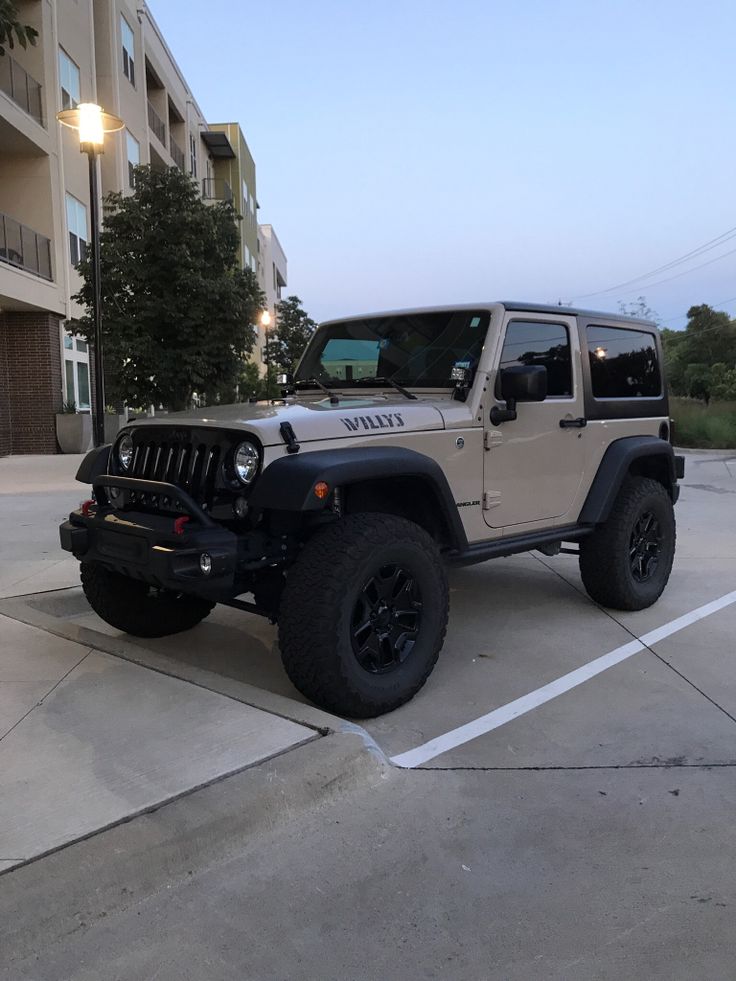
[416, 152]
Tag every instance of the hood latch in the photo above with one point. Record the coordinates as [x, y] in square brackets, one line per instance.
[289, 437]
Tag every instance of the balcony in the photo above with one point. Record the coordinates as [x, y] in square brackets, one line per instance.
[22, 88]
[216, 189]
[157, 125]
[23, 248]
[176, 152]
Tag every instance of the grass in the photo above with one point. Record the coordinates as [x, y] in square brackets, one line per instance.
[708, 427]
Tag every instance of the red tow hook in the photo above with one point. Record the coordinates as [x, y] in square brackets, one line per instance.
[86, 505]
[179, 524]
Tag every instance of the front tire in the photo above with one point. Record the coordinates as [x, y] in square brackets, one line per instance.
[626, 562]
[363, 614]
[135, 607]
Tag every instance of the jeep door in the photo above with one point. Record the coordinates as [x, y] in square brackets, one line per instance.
[533, 465]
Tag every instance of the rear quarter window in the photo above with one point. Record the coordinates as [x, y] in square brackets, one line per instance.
[623, 363]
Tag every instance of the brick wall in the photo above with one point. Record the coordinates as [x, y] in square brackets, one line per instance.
[30, 382]
[6, 441]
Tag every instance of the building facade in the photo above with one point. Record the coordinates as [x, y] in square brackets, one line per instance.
[271, 277]
[113, 53]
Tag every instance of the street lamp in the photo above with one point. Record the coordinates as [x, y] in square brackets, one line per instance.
[93, 122]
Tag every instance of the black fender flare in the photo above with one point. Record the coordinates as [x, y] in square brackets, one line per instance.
[288, 483]
[616, 463]
[94, 464]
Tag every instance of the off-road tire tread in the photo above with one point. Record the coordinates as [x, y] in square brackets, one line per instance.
[315, 589]
[122, 602]
[604, 576]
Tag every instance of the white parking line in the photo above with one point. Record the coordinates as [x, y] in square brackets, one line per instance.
[520, 706]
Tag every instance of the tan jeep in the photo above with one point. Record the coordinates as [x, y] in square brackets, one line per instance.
[405, 442]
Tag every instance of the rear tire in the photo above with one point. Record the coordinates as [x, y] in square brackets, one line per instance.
[136, 608]
[363, 614]
[626, 562]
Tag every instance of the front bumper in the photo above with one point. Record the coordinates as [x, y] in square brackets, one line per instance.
[154, 547]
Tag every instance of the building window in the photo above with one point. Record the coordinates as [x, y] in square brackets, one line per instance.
[134, 156]
[252, 204]
[192, 155]
[247, 256]
[76, 223]
[69, 81]
[245, 197]
[623, 363]
[128, 50]
[76, 372]
[539, 343]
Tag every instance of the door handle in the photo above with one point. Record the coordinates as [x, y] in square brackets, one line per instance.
[580, 423]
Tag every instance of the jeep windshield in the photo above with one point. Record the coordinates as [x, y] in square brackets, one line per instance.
[413, 349]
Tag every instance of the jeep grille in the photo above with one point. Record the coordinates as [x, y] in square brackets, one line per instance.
[191, 466]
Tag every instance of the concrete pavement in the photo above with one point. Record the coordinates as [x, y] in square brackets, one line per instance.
[591, 837]
[86, 739]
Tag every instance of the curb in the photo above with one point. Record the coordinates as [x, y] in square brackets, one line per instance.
[26, 610]
[66, 891]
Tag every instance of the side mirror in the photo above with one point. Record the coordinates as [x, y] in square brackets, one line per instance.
[524, 383]
[520, 383]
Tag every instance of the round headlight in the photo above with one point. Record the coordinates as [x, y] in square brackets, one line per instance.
[246, 462]
[125, 452]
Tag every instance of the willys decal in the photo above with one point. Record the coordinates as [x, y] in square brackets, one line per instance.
[385, 420]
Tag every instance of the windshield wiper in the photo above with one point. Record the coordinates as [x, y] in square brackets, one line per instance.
[383, 380]
[305, 382]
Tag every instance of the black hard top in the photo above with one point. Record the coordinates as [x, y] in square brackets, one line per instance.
[573, 311]
[508, 305]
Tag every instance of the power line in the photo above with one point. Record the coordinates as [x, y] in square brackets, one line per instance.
[702, 265]
[694, 253]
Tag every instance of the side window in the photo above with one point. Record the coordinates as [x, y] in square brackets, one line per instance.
[623, 363]
[69, 81]
[76, 223]
[133, 150]
[128, 39]
[534, 342]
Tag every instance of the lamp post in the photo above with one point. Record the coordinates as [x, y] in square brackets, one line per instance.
[92, 123]
[265, 323]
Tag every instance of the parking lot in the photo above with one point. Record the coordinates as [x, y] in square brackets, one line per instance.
[518, 625]
[519, 687]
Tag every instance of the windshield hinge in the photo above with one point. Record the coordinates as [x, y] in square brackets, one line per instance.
[289, 437]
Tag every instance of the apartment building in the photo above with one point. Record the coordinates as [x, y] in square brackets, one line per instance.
[113, 53]
[271, 275]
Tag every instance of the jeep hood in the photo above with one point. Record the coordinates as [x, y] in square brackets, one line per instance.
[311, 420]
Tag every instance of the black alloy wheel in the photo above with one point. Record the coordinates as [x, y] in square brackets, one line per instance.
[645, 547]
[386, 619]
[363, 614]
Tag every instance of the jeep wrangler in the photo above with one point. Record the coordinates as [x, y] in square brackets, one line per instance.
[404, 443]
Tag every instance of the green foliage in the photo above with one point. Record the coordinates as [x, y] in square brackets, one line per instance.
[706, 427]
[178, 313]
[290, 334]
[69, 407]
[700, 360]
[10, 26]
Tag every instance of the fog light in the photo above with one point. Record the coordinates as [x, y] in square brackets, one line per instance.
[205, 563]
[240, 507]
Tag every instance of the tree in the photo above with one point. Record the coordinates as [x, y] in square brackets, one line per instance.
[10, 25]
[290, 335]
[692, 355]
[639, 309]
[178, 312]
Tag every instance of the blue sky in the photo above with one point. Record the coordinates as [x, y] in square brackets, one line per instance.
[413, 152]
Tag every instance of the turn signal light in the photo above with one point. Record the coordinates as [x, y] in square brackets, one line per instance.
[86, 505]
[321, 490]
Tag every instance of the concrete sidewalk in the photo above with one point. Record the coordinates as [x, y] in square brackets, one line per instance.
[87, 739]
[36, 494]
